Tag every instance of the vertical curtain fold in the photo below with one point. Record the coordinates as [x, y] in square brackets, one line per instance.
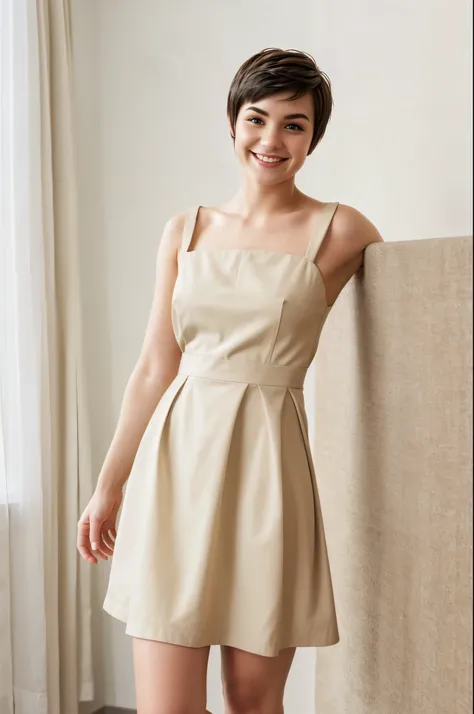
[45, 477]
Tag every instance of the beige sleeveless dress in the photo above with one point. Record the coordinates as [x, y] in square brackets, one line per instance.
[221, 537]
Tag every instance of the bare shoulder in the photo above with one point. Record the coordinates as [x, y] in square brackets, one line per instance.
[172, 235]
[350, 225]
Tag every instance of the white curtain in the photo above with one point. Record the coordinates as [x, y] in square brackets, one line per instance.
[45, 479]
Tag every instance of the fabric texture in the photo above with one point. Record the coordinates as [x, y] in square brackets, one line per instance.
[221, 537]
[45, 474]
[394, 387]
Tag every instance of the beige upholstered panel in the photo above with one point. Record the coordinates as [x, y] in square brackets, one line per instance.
[393, 453]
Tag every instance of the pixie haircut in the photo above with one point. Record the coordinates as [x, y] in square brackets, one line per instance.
[275, 70]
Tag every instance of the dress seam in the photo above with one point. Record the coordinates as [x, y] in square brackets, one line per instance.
[277, 332]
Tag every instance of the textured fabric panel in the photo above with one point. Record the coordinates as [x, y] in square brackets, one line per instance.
[393, 447]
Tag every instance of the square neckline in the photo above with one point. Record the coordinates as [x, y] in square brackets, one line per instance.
[187, 239]
[300, 257]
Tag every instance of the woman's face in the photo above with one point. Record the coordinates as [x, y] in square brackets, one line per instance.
[274, 126]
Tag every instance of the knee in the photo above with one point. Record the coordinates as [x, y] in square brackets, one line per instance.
[247, 697]
[241, 699]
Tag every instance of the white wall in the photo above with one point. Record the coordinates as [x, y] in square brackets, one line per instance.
[152, 82]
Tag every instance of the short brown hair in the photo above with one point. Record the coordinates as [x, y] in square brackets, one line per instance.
[275, 70]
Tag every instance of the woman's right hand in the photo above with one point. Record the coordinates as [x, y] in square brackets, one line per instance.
[97, 527]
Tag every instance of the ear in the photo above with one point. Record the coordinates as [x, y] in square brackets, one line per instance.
[229, 124]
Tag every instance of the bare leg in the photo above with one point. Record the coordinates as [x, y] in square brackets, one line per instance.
[170, 679]
[252, 683]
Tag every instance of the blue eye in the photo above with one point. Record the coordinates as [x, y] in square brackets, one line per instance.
[299, 128]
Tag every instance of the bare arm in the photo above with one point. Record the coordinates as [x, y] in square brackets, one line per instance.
[355, 232]
[155, 369]
[342, 254]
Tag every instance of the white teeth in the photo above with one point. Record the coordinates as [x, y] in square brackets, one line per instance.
[268, 161]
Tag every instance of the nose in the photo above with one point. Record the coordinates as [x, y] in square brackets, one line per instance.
[270, 140]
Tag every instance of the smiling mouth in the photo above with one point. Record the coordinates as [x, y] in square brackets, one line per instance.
[269, 158]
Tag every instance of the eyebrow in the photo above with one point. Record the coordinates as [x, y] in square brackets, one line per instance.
[288, 116]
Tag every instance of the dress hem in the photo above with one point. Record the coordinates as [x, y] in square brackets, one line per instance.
[174, 637]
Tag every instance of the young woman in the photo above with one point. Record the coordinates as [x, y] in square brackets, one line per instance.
[221, 537]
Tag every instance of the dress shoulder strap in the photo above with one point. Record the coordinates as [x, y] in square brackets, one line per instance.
[321, 230]
[189, 225]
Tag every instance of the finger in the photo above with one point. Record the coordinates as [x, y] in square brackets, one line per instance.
[83, 543]
[105, 548]
[100, 554]
[103, 551]
[83, 547]
[85, 553]
[82, 528]
[95, 536]
[108, 540]
[110, 530]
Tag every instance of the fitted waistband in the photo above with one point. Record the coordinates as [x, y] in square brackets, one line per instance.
[234, 370]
